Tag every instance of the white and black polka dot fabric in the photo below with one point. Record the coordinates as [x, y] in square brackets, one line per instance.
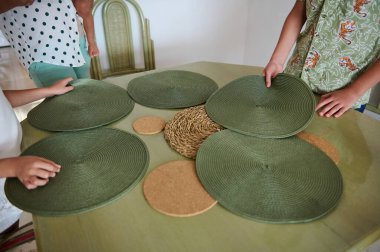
[46, 31]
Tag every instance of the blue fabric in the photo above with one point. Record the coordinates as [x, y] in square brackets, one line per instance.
[361, 108]
[45, 74]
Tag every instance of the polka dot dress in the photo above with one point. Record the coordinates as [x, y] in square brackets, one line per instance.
[46, 31]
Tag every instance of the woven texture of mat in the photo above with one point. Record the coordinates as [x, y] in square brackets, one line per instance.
[91, 104]
[171, 89]
[174, 189]
[98, 166]
[188, 129]
[247, 106]
[269, 180]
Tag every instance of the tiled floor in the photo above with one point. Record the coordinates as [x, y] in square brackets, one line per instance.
[13, 76]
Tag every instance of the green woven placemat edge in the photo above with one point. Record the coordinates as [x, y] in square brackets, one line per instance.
[79, 82]
[310, 93]
[215, 86]
[235, 211]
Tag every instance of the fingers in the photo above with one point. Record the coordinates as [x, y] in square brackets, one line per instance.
[271, 71]
[43, 174]
[325, 99]
[34, 182]
[66, 81]
[47, 165]
[61, 87]
[94, 53]
[341, 112]
[329, 106]
[268, 79]
[36, 171]
[330, 110]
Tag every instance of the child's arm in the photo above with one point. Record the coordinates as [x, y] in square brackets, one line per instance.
[7, 5]
[22, 97]
[30, 170]
[338, 102]
[290, 31]
[84, 9]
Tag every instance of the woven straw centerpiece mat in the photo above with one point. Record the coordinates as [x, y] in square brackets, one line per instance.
[91, 104]
[98, 166]
[171, 89]
[188, 129]
[247, 106]
[271, 180]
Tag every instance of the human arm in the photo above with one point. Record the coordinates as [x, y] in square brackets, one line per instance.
[32, 171]
[338, 102]
[7, 5]
[84, 9]
[289, 33]
[21, 97]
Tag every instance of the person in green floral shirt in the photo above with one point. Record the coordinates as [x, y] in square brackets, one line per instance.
[337, 53]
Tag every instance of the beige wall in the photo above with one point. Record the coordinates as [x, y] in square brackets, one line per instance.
[194, 30]
[228, 31]
[265, 22]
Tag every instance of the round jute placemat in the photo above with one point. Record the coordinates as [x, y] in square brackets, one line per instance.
[174, 189]
[188, 129]
[322, 144]
[247, 106]
[91, 104]
[171, 89]
[271, 180]
[149, 125]
[98, 166]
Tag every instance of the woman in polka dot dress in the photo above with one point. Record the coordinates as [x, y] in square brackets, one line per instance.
[50, 37]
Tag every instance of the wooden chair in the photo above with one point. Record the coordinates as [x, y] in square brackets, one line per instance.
[118, 33]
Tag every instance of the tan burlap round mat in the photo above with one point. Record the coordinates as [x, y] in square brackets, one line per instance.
[174, 189]
[149, 125]
[322, 144]
[188, 129]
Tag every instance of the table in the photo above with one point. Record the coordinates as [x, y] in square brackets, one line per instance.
[130, 224]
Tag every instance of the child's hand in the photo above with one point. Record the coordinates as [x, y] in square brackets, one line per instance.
[60, 87]
[271, 71]
[34, 171]
[336, 103]
[93, 50]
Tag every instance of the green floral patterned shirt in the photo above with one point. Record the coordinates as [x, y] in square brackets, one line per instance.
[341, 38]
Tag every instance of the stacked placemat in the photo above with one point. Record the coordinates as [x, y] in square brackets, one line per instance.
[98, 164]
[257, 167]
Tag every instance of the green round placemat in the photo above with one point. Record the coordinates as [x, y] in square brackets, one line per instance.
[98, 166]
[271, 180]
[247, 106]
[91, 104]
[171, 89]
